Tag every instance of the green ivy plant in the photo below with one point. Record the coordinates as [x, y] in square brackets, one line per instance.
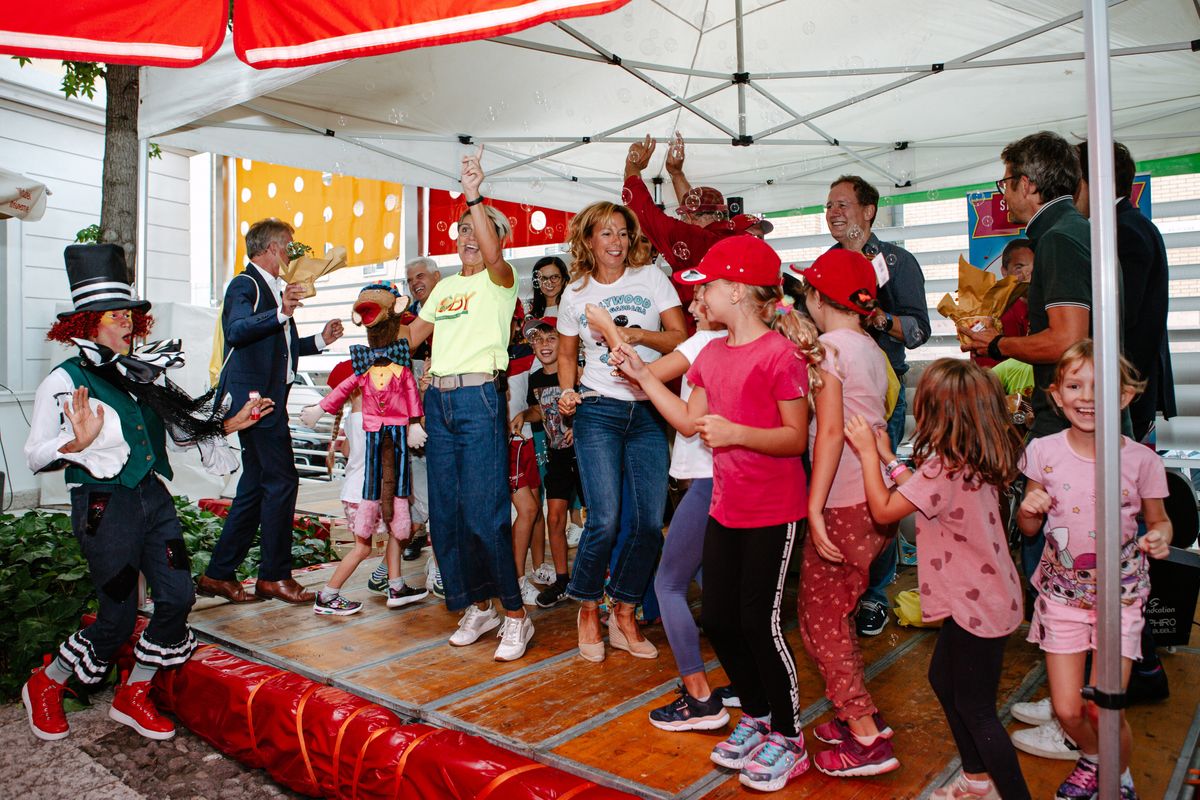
[46, 589]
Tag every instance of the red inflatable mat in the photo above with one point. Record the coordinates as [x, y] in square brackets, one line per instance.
[324, 742]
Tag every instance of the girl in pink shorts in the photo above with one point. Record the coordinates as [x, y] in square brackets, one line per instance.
[1061, 496]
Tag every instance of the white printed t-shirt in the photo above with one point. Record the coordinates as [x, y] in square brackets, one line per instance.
[635, 300]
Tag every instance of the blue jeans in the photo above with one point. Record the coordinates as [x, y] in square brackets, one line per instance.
[467, 457]
[883, 568]
[650, 608]
[615, 438]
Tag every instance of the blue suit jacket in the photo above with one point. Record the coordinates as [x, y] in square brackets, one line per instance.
[255, 350]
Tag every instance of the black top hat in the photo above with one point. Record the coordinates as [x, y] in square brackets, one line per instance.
[99, 279]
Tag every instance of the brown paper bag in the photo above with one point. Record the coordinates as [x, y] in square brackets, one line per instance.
[306, 269]
[981, 299]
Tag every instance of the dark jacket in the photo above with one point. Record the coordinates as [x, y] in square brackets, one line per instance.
[1145, 284]
[255, 350]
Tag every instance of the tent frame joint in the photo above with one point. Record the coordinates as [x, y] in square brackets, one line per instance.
[1195, 45]
[938, 68]
[464, 139]
[741, 77]
[745, 140]
[901, 146]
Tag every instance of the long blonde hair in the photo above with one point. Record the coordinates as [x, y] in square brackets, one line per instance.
[584, 224]
[782, 316]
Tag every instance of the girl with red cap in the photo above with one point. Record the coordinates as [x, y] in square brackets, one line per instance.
[759, 496]
[843, 540]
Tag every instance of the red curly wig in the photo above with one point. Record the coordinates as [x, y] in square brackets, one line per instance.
[86, 324]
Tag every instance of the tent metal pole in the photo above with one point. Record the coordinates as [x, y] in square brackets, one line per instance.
[646, 79]
[143, 222]
[740, 43]
[1106, 664]
[649, 66]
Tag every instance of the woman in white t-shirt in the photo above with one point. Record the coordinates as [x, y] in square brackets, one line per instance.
[617, 430]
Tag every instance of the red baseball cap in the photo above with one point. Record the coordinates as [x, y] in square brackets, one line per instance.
[844, 276]
[339, 373]
[744, 222]
[702, 200]
[533, 323]
[741, 259]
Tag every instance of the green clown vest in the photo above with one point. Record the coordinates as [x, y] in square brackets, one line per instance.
[141, 426]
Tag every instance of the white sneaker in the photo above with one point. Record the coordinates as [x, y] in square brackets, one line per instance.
[1036, 713]
[1046, 741]
[545, 574]
[474, 623]
[433, 579]
[574, 532]
[514, 634]
[529, 592]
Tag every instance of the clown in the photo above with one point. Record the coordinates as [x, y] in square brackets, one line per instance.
[104, 416]
[391, 409]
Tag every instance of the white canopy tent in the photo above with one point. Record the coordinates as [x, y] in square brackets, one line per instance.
[914, 96]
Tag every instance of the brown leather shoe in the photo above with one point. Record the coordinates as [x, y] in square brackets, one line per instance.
[286, 590]
[232, 591]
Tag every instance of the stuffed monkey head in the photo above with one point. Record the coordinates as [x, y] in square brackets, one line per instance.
[378, 309]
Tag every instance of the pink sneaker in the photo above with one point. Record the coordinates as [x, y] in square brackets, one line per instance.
[775, 763]
[851, 759]
[837, 731]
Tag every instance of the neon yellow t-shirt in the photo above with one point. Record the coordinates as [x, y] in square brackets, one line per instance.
[471, 318]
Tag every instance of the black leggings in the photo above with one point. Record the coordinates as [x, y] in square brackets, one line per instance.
[742, 596]
[964, 673]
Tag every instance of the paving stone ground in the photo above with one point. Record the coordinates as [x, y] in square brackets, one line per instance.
[102, 760]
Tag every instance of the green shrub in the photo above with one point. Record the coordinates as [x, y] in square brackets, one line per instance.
[45, 587]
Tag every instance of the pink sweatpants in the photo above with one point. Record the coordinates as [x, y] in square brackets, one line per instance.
[363, 518]
[829, 593]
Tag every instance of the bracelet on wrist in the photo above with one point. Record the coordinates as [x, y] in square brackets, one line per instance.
[993, 349]
[475, 202]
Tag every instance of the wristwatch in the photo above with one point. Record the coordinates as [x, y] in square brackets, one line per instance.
[993, 349]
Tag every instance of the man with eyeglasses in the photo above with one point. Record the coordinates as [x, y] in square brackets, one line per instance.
[901, 322]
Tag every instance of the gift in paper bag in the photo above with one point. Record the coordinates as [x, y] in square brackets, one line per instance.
[307, 269]
[981, 299]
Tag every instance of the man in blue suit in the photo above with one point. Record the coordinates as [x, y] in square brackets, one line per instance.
[262, 349]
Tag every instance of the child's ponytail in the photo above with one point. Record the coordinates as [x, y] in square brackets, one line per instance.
[781, 315]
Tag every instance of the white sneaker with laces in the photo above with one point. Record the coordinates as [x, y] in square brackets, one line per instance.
[1046, 741]
[1038, 712]
[529, 592]
[474, 623]
[433, 579]
[574, 532]
[545, 574]
[514, 633]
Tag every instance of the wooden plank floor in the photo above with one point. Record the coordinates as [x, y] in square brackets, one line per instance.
[591, 719]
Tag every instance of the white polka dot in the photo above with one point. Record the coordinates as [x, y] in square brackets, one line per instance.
[328, 246]
[389, 240]
[298, 220]
[453, 232]
[455, 195]
[358, 245]
[358, 208]
[298, 184]
[245, 194]
[537, 220]
[328, 213]
[390, 202]
[271, 189]
[327, 178]
[246, 164]
[245, 227]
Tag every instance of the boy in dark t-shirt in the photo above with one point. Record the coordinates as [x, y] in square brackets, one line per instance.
[562, 473]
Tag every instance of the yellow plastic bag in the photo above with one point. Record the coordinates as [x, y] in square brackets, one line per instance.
[908, 610]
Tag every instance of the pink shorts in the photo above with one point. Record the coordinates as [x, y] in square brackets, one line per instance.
[1058, 628]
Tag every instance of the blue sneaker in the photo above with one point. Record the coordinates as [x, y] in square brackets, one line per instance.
[728, 696]
[776, 762]
[686, 713]
[735, 752]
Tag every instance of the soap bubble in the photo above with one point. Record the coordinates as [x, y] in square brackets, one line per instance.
[987, 221]
[670, 45]
[891, 259]
[854, 233]
[327, 178]
[441, 226]
[809, 28]
[626, 196]
[681, 251]
[536, 185]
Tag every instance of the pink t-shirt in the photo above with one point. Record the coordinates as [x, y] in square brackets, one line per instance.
[963, 566]
[1067, 572]
[861, 366]
[744, 384]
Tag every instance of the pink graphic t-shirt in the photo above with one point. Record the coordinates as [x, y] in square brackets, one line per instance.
[963, 566]
[1067, 572]
[744, 384]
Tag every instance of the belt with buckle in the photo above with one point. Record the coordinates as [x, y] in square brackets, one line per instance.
[451, 382]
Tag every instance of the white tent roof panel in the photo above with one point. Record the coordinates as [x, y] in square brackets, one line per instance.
[534, 97]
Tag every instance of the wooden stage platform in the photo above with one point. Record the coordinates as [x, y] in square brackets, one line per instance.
[590, 719]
